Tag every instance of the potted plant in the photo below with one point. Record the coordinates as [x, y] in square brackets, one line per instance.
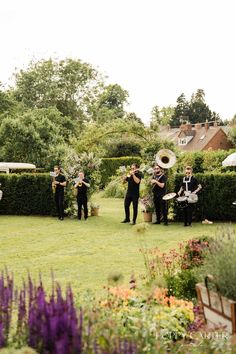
[217, 294]
[94, 209]
[147, 208]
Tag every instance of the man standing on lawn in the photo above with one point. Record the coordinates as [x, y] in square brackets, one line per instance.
[132, 195]
[158, 182]
[189, 186]
[59, 183]
[82, 186]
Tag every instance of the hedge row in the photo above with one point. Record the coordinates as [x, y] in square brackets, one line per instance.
[26, 194]
[215, 199]
[110, 165]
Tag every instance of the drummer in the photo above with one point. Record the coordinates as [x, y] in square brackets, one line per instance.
[158, 182]
[189, 186]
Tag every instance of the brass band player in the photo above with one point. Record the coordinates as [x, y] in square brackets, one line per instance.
[59, 183]
[82, 186]
[132, 194]
[158, 182]
[189, 186]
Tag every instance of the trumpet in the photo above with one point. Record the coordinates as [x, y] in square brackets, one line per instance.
[80, 182]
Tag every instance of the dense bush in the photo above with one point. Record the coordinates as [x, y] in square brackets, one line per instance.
[110, 165]
[220, 262]
[123, 148]
[215, 199]
[203, 161]
[115, 188]
[26, 194]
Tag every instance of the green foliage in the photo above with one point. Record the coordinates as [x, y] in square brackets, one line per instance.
[220, 262]
[26, 194]
[98, 137]
[203, 161]
[115, 188]
[109, 104]
[123, 147]
[161, 116]
[33, 136]
[109, 166]
[69, 85]
[215, 199]
[232, 135]
[195, 111]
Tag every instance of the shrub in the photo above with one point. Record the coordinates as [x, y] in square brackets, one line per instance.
[123, 148]
[114, 189]
[215, 199]
[26, 194]
[109, 166]
[220, 262]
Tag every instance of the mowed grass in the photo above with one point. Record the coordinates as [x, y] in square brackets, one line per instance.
[84, 253]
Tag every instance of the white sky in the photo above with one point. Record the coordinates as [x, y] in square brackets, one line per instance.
[154, 49]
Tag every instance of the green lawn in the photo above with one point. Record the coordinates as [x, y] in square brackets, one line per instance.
[84, 253]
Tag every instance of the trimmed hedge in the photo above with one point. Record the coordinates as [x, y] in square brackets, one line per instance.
[26, 194]
[110, 165]
[215, 199]
[31, 194]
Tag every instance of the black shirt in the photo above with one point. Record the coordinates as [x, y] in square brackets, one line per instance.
[157, 190]
[133, 187]
[82, 190]
[60, 178]
[189, 184]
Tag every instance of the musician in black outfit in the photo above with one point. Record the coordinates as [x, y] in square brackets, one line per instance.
[158, 182]
[189, 185]
[132, 195]
[82, 200]
[59, 183]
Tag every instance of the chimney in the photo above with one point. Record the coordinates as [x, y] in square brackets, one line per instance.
[215, 124]
[206, 125]
[198, 126]
[186, 127]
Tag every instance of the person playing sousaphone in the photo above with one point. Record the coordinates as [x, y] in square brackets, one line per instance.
[132, 196]
[189, 187]
[158, 182]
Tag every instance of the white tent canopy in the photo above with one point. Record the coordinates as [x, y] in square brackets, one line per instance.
[7, 166]
[230, 160]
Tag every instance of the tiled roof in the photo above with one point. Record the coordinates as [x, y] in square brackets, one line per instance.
[201, 136]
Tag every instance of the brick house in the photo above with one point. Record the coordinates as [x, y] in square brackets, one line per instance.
[198, 137]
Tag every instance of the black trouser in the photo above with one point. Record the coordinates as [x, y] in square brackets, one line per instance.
[82, 202]
[59, 199]
[128, 200]
[188, 213]
[160, 208]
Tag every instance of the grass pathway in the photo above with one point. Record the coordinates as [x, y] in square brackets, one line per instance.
[84, 253]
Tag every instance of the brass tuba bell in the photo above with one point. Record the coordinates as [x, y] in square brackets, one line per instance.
[165, 158]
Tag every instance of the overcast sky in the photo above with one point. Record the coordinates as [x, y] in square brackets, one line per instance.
[154, 49]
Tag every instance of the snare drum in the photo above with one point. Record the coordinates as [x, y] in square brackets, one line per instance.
[192, 198]
[182, 202]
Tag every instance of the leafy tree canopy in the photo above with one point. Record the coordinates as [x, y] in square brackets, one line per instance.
[31, 137]
[68, 84]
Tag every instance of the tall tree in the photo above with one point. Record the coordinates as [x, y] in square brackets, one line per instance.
[181, 111]
[69, 85]
[198, 110]
[33, 137]
[161, 116]
[109, 104]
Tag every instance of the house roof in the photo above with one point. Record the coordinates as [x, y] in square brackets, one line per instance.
[201, 136]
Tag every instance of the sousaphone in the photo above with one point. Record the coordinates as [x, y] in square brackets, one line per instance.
[165, 158]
